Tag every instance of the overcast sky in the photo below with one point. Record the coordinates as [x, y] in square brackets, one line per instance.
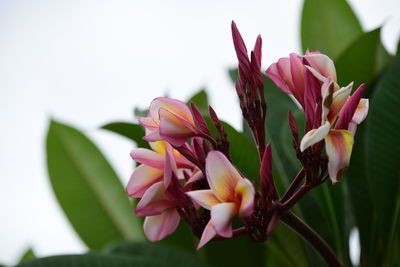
[91, 62]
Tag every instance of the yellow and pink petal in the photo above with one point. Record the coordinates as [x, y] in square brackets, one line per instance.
[222, 176]
[205, 198]
[314, 136]
[245, 192]
[338, 144]
[141, 179]
[154, 201]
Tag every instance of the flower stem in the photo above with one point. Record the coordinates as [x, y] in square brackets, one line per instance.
[293, 186]
[312, 238]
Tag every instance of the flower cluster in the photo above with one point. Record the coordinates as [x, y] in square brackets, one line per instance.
[188, 173]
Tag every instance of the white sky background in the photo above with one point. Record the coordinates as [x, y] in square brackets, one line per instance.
[91, 62]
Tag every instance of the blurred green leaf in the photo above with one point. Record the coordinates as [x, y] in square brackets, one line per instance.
[132, 131]
[201, 100]
[329, 26]
[359, 62]
[156, 251]
[382, 149]
[101, 260]
[28, 255]
[239, 251]
[244, 153]
[88, 189]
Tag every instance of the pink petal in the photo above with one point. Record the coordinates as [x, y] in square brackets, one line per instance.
[148, 157]
[245, 191]
[205, 198]
[283, 65]
[152, 136]
[208, 234]
[221, 218]
[361, 111]
[339, 98]
[297, 73]
[148, 122]
[161, 146]
[175, 129]
[154, 201]
[339, 144]
[273, 74]
[159, 226]
[172, 105]
[221, 176]
[141, 179]
[314, 136]
[322, 64]
[349, 109]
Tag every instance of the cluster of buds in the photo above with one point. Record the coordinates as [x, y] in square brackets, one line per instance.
[188, 174]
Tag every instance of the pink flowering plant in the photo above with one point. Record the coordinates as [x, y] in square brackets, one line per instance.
[189, 175]
[314, 167]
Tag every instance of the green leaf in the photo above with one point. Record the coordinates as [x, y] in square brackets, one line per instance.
[201, 100]
[132, 131]
[239, 251]
[244, 153]
[161, 253]
[104, 260]
[329, 26]
[359, 62]
[383, 148]
[88, 189]
[28, 255]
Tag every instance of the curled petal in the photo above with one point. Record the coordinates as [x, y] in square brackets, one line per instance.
[173, 105]
[297, 73]
[327, 89]
[208, 234]
[141, 179]
[148, 123]
[221, 218]
[324, 66]
[349, 109]
[154, 201]
[274, 75]
[339, 99]
[148, 157]
[314, 136]
[152, 136]
[205, 198]
[157, 227]
[245, 191]
[222, 176]
[339, 144]
[174, 128]
[361, 111]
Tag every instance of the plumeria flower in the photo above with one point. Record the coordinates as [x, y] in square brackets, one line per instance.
[289, 73]
[158, 204]
[230, 194]
[170, 120]
[152, 169]
[311, 79]
[338, 141]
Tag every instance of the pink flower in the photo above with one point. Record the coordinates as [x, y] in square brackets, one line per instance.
[289, 73]
[170, 120]
[230, 194]
[338, 141]
[311, 79]
[152, 169]
[159, 203]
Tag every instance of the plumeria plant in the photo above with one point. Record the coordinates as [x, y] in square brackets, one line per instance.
[188, 175]
[250, 197]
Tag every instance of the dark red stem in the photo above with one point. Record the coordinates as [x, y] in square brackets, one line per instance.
[312, 238]
[293, 186]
